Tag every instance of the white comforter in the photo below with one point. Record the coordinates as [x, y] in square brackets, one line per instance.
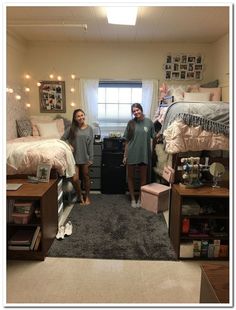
[24, 155]
[180, 137]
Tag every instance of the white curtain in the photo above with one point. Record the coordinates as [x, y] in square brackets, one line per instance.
[89, 99]
[150, 95]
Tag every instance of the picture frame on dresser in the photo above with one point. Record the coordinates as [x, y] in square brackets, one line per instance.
[52, 97]
[43, 172]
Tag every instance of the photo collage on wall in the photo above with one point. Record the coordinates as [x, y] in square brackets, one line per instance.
[52, 96]
[183, 67]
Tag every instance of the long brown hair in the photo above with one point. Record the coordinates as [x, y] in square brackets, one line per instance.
[132, 122]
[74, 125]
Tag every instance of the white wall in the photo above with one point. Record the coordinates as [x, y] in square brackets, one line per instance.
[222, 69]
[16, 65]
[104, 61]
[107, 60]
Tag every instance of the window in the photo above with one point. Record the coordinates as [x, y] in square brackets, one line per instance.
[114, 101]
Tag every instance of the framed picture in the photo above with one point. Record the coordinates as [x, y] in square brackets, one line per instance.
[182, 75]
[52, 97]
[175, 75]
[43, 172]
[168, 75]
[199, 59]
[169, 59]
[176, 58]
[198, 75]
[183, 67]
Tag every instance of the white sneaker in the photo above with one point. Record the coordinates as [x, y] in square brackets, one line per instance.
[60, 233]
[133, 204]
[68, 229]
[138, 205]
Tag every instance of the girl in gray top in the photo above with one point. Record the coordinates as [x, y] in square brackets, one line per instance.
[138, 134]
[80, 139]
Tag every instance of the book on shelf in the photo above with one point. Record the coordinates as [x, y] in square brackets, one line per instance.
[22, 237]
[10, 208]
[18, 247]
[196, 248]
[37, 230]
[216, 248]
[36, 246]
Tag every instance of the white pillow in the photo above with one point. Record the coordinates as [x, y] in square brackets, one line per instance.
[48, 130]
[177, 91]
[196, 96]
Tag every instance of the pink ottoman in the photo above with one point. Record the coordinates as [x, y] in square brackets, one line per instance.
[155, 197]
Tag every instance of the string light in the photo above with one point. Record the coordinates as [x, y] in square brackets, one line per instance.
[38, 84]
[28, 105]
[27, 89]
[10, 90]
[51, 76]
[18, 97]
[72, 104]
[73, 76]
[72, 89]
[27, 76]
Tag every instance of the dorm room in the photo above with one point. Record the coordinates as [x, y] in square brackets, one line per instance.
[181, 80]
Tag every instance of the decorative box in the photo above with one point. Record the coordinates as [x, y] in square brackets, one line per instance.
[155, 197]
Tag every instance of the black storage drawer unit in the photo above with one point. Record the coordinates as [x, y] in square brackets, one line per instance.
[113, 179]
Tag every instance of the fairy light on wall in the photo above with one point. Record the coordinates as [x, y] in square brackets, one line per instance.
[18, 97]
[10, 90]
[72, 89]
[19, 91]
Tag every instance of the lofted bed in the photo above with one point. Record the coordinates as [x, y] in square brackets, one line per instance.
[192, 127]
[39, 142]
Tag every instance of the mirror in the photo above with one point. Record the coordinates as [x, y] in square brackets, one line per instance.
[216, 170]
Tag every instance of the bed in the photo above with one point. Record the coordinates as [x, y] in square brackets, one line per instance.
[192, 129]
[39, 142]
[25, 153]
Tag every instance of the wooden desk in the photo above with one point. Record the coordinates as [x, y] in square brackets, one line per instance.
[214, 284]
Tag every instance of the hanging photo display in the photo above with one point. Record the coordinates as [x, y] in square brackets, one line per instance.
[183, 67]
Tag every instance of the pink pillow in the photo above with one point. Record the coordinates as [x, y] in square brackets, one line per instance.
[215, 93]
[59, 122]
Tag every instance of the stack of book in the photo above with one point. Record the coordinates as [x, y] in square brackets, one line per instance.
[22, 212]
[25, 239]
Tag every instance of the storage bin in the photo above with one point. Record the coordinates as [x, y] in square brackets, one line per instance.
[155, 197]
[19, 218]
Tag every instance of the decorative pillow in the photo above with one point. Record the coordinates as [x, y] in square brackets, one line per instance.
[24, 128]
[215, 93]
[212, 84]
[196, 96]
[193, 88]
[48, 130]
[58, 122]
[177, 91]
[39, 118]
[67, 123]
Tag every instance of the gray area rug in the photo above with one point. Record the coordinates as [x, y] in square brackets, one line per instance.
[110, 229]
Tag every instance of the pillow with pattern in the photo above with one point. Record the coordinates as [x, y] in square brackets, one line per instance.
[211, 84]
[24, 127]
[177, 91]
